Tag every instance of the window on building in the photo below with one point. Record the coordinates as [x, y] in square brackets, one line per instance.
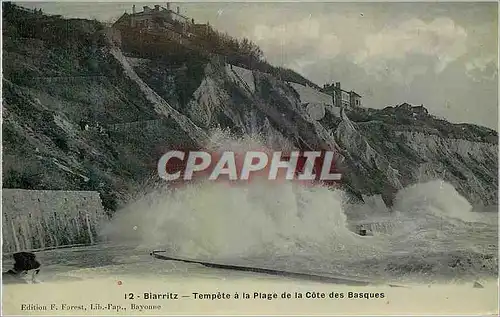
[345, 96]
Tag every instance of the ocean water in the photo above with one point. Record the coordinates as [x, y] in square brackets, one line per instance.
[434, 233]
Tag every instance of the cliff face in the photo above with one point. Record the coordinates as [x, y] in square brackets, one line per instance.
[470, 166]
[428, 148]
[381, 151]
[62, 102]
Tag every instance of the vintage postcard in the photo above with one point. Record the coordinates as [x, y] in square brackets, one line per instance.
[249, 158]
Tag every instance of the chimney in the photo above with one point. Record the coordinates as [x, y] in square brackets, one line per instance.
[178, 10]
[157, 7]
[132, 18]
[168, 5]
[337, 85]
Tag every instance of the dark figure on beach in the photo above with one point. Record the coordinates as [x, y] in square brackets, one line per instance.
[24, 263]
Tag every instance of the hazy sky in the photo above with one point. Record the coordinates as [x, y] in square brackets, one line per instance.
[441, 55]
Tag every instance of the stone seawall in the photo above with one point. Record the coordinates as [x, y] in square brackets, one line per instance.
[37, 219]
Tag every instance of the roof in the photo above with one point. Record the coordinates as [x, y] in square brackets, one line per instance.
[152, 10]
[329, 88]
[122, 18]
[351, 92]
[354, 93]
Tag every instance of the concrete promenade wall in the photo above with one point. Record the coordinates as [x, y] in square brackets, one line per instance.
[37, 219]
